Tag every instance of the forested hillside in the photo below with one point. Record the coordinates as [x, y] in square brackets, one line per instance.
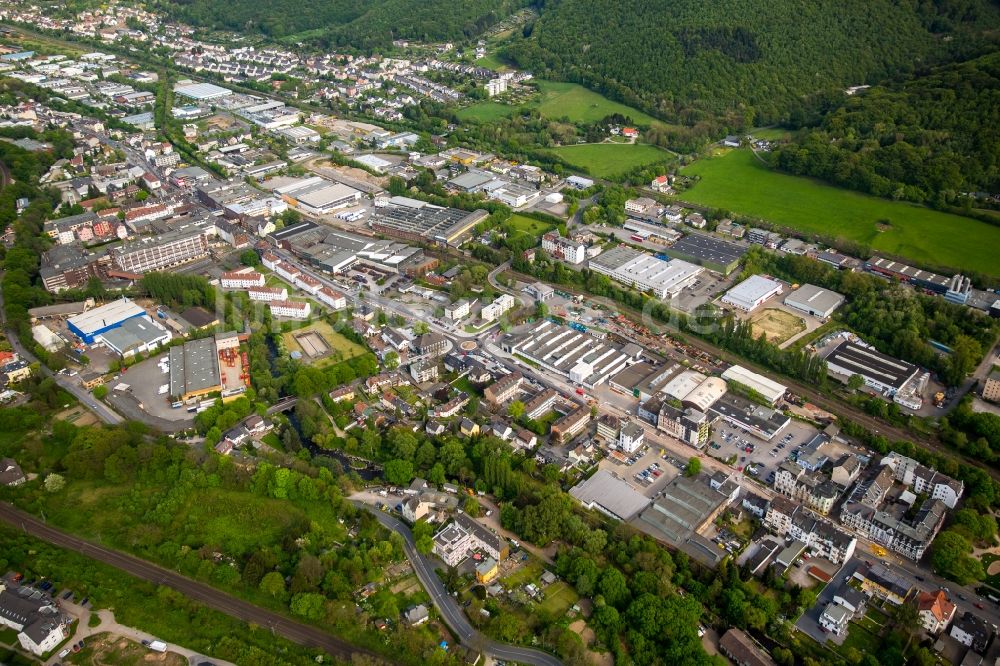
[363, 24]
[924, 140]
[685, 59]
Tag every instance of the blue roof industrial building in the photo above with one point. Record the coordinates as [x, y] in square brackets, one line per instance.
[90, 324]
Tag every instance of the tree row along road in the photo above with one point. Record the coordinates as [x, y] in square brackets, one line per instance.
[449, 608]
[211, 597]
[833, 406]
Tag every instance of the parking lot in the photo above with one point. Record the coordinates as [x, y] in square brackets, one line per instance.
[650, 472]
[145, 381]
[762, 457]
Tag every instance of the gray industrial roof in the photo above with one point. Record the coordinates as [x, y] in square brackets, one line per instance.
[613, 495]
[868, 362]
[811, 297]
[194, 367]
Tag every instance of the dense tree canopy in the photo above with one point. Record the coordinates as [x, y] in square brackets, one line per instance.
[927, 139]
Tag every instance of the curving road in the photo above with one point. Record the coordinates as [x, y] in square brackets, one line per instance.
[211, 597]
[449, 609]
[85, 397]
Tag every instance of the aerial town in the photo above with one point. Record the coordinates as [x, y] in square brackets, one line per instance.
[284, 350]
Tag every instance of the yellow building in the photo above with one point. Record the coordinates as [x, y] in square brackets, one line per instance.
[487, 570]
[991, 389]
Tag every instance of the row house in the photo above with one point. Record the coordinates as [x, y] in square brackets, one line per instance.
[909, 538]
[334, 299]
[812, 488]
[241, 280]
[787, 518]
[924, 480]
[688, 425]
[268, 294]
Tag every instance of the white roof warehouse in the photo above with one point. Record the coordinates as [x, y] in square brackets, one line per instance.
[645, 272]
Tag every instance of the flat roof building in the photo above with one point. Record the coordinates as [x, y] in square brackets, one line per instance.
[766, 387]
[201, 91]
[420, 221]
[575, 354]
[712, 253]
[751, 293]
[742, 413]
[194, 369]
[134, 336]
[317, 195]
[880, 371]
[90, 324]
[813, 300]
[609, 495]
[687, 505]
[665, 279]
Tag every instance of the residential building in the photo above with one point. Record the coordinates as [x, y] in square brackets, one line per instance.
[414, 509]
[487, 570]
[468, 427]
[881, 582]
[788, 518]
[10, 473]
[241, 280]
[565, 249]
[500, 305]
[458, 310]
[504, 388]
[569, 426]
[416, 615]
[158, 252]
[290, 309]
[924, 480]
[908, 537]
[630, 437]
[686, 424]
[742, 649]
[430, 344]
[39, 624]
[608, 426]
[991, 387]
[835, 619]
[936, 611]
[541, 404]
[973, 632]
[268, 294]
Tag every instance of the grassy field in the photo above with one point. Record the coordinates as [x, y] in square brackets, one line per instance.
[559, 100]
[486, 112]
[529, 225]
[777, 325]
[527, 574]
[342, 348]
[737, 181]
[579, 104]
[607, 160]
[558, 598]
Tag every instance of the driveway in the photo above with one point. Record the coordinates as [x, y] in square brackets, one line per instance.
[110, 625]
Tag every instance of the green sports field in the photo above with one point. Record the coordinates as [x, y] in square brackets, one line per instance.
[560, 100]
[607, 160]
[737, 181]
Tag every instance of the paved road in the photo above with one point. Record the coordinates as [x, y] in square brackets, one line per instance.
[87, 399]
[211, 597]
[450, 611]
